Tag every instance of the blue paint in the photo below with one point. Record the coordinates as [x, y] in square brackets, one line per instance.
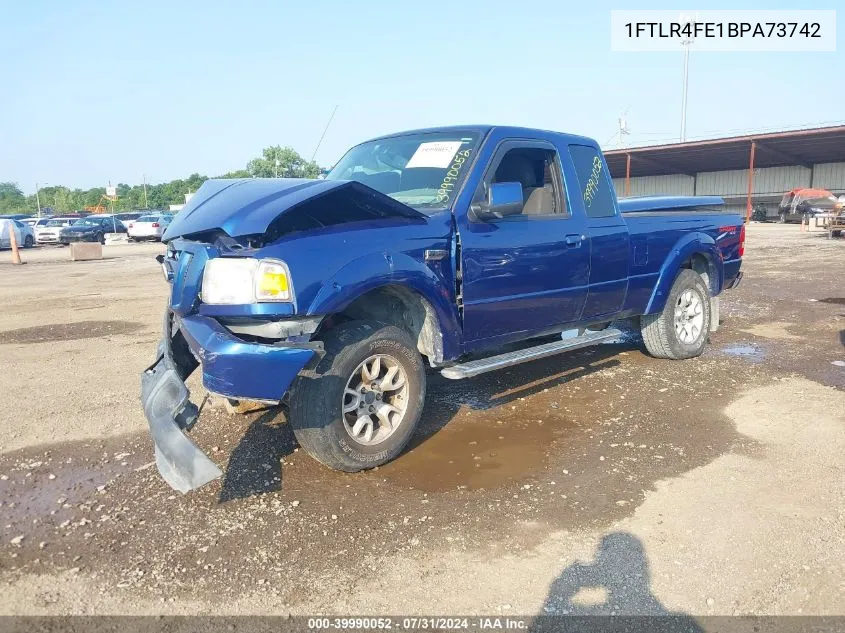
[522, 276]
[234, 368]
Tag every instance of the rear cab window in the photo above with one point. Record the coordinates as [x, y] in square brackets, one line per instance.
[596, 190]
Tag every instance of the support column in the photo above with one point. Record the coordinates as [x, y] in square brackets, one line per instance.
[750, 182]
[628, 174]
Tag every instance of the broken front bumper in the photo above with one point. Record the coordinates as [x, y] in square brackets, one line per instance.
[230, 366]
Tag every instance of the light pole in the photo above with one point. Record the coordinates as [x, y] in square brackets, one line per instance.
[277, 168]
[37, 200]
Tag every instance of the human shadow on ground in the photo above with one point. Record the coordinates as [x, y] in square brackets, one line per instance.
[611, 593]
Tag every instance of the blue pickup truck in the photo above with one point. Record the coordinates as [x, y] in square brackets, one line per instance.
[436, 248]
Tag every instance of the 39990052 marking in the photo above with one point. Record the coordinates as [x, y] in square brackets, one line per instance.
[350, 623]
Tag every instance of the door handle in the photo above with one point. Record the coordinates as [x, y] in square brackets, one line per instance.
[573, 240]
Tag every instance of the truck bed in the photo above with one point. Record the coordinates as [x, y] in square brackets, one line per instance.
[658, 225]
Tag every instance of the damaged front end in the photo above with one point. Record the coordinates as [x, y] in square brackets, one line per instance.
[239, 361]
[231, 367]
[169, 412]
[233, 309]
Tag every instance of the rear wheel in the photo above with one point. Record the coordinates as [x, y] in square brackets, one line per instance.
[99, 237]
[680, 330]
[359, 407]
[782, 218]
[28, 242]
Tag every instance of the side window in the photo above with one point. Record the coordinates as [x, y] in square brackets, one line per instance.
[596, 191]
[536, 169]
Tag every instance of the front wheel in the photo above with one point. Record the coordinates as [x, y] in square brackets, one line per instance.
[782, 218]
[680, 330]
[28, 242]
[358, 408]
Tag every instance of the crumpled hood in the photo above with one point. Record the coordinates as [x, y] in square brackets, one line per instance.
[249, 206]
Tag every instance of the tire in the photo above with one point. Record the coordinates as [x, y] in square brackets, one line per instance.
[99, 237]
[318, 397]
[661, 338]
[28, 242]
[782, 218]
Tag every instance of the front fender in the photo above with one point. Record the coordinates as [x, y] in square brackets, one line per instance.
[381, 269]
[689, 245]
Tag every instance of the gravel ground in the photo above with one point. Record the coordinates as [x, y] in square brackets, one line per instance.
[603, 481]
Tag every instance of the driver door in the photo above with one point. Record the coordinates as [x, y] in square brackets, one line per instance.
[525, 274]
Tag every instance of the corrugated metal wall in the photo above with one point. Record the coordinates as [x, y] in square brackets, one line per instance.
[829, 176]
[674, 185]
[768, 181]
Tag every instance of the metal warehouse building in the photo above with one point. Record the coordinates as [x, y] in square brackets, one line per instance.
[744, 170]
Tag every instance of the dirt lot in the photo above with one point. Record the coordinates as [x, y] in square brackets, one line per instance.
[602, 481]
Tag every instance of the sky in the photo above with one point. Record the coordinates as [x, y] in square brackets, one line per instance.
[98, 92]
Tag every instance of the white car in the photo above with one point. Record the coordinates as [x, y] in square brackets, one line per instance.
[129, 218]
[149, 227]
[37, 224]
[24, 235]
[48, 233]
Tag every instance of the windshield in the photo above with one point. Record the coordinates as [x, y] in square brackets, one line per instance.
[148, 218]
[87, 222]
[423, 171]
[62, 222]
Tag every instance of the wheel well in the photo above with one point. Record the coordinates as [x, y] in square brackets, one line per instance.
[395, 305]
[703, 266]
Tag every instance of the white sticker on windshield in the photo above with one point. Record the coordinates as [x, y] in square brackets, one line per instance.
[434, 154]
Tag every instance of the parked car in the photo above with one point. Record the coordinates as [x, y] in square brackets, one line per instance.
[799, 204]
[37, 224]
[129, 218]
[48, 233]
[24, 236]
[150, 227]
[27, 234]
[91, 229]
[447, 245]
[14, 216]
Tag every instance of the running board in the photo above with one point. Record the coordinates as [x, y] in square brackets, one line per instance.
[492, 363]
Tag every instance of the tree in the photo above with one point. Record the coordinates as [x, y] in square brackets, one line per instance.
[12, 199]
[238, 173]
[160, 196]
[282, 162]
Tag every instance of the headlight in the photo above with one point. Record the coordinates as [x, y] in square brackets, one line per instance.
[245, 280]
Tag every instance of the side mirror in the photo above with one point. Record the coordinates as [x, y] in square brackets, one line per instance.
[503, 199]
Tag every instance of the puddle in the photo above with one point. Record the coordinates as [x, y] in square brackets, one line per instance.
[475, 456]
[745, 350]
[41, 486]
[67, 331]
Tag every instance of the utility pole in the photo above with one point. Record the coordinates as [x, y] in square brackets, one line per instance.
[37, 200]
[276, 173]
[146, 203]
